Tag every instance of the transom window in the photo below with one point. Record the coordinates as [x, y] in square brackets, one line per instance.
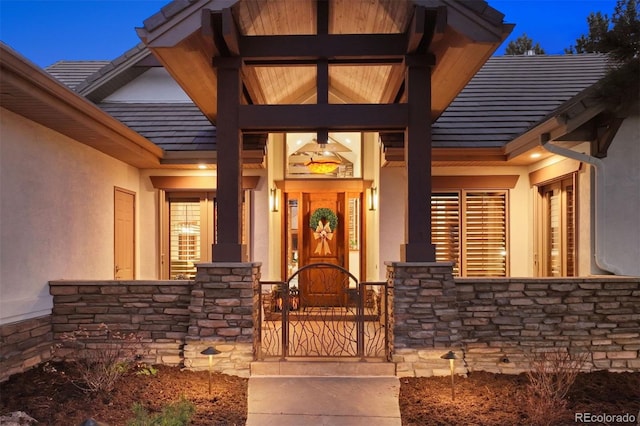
[339, 157]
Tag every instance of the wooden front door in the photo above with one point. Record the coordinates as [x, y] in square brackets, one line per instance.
[124, 234]
[323, 243]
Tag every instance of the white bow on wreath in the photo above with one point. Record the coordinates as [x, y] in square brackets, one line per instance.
[324, 234]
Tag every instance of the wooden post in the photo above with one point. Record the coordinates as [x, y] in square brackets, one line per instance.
[417, 154]
[228, 247]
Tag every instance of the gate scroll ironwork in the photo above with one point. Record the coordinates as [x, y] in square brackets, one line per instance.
[323, 311]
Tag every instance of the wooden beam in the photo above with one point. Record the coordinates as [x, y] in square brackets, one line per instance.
[605, 131]
[358, 117]
[416, 29]
[322, 81]
[314, 46]
[206, 183]
[230, 32]
[322, 16]
[307, 62]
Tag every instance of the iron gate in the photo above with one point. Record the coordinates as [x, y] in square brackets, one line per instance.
[323, 311]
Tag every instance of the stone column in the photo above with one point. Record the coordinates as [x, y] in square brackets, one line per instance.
[223, 315]
[425, 320]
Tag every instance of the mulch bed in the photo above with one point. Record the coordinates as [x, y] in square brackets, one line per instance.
[480, 399]
[52, 399]
[498, 399]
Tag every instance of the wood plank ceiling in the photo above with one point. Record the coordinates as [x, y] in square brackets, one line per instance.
[464, 35]
[348, 83]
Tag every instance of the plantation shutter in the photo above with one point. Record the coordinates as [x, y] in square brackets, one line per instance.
[445, 228]
[570, 227]
[184, 238]
[485, 234]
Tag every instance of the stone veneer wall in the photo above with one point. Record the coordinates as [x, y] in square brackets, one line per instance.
[156, 311]
[495, 324]
[24, 344]
[425, 318]
[504, 319]
[484, 321]
[223, 316]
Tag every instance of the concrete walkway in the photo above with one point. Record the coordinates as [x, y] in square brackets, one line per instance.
[313, 400]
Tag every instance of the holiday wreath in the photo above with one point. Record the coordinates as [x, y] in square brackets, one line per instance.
[325, 214]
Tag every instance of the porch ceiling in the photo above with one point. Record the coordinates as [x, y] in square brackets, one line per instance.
[462, 35]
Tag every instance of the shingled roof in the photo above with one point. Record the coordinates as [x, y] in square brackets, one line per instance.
[74, 73]
[511, 94]
[173, 126]
[507, 97]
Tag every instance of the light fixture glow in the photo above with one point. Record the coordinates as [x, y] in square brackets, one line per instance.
[274, 200]
[322, 165]
[202, 166]
[536, 155]
[373, 198]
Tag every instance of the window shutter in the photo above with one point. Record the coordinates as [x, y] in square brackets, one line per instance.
[485, 242]
[445, 228]
[571, 232]
[184, 237]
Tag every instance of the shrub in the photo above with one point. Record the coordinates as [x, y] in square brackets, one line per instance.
[177, 414]
[100, 357]
[551, 375]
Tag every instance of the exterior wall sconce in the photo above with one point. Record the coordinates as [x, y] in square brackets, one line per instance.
[274, 200]
[373, 198]
[451, 356]
[210, 351]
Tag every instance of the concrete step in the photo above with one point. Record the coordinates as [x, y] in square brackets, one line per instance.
[322, 368]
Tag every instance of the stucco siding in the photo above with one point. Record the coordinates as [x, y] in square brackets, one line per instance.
[520, 208]
[155, 85]
[56, 213]
[392, 207]
[620, 239]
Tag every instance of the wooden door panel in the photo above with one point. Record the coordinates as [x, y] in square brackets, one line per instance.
[124, 235]
[322, 245]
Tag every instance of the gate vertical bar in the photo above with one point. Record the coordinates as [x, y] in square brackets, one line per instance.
[284, 292]
[387, 326]
[360, 319]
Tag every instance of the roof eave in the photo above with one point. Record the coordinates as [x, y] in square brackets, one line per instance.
[565, 119]
[181, 40]
[24, 84]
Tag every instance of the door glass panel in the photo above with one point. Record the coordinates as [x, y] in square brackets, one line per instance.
[184, 238]
[555, 235]
[571, 237]
[292, 237]
[558, 225]
[353, 215]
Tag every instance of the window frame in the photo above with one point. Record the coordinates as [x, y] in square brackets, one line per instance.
[461, 259]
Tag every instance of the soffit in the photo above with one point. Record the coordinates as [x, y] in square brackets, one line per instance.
[465, 37]
[32, 93]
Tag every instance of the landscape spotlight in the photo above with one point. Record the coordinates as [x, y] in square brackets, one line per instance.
[211, 351]
[451, 356]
